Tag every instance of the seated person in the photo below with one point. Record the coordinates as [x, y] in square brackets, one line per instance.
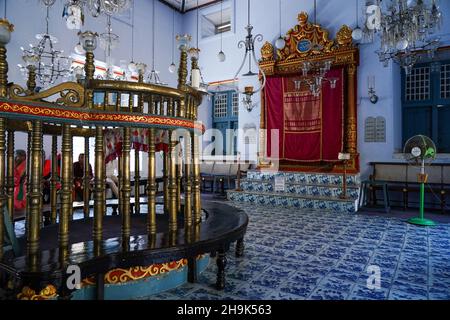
[47, 177]
[20, 180]
[111, 179]
[78, 174]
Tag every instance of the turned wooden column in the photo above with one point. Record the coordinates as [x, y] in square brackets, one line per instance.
[151, 184]
[66, 186]
[126, 188]
[172, 183]
[2, 179]
[350, 116]
[99, 183]
[10, 174]
[196, 177]
[54, 181]
[86, 179]
[137, 178]
[166, 180]
[187, 183]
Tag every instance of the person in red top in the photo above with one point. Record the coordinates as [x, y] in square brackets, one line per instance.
[20, 180]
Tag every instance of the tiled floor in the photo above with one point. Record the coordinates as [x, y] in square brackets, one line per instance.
[314, 255]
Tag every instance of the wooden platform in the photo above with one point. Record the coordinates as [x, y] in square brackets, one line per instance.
[223, 225]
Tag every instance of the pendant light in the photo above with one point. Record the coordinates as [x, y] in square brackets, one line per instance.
[280, 43]
[249, 45]
[357, 34]
[132, 65]
[153, 77]
[173, 67]
[221, 55]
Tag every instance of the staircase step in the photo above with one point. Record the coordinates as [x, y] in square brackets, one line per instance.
[305, 178]
[296, 189]
[295, 201]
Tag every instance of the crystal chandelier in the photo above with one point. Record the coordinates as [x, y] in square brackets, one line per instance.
[405, 28]
[314, 73]
[249, 44]
[48, 63]
[314, 76]
[108, 42]
[74, 10]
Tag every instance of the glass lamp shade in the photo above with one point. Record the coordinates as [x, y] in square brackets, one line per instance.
[402, 44]
[357, 34]
[132, 67]
[30, 58]
[5, 31]
[141, 68]
[183, 41]
[194, 53]
[280, 43]
[89, 40]
[172, 68]
[79, 49]
[221, 56]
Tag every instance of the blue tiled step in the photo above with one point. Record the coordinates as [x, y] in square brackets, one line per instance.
[297, 189]
[325, 179]
[295, 201]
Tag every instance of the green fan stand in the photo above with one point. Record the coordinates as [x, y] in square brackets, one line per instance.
[420, 220]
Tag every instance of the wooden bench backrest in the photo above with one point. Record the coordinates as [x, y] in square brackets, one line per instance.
[402, 172]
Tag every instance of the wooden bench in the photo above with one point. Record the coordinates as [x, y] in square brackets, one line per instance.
[216, 172]
[401, 177]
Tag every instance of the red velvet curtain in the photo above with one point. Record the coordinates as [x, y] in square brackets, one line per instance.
[310, 128]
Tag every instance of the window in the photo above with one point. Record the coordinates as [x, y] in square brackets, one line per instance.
[225, 118]
[426, 103]
[214, 22]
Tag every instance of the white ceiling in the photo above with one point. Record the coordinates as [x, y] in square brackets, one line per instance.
[188, 4]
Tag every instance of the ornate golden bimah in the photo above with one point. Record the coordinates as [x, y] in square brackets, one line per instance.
[85, 258]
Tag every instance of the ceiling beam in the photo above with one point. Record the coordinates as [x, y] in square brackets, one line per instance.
[203, 5]
[170, 5]
[183, 5]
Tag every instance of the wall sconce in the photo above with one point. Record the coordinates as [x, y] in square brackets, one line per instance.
[371, 89]
[247, 100]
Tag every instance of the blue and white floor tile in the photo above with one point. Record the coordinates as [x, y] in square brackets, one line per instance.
[295, 255]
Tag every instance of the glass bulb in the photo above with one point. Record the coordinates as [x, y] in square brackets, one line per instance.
[132, 66]
[221, 56]
[79, 49]
[280, 43]
[402, 44]
[357, 34]
[172, 68]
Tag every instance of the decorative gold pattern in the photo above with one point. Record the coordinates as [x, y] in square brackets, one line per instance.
[49, 292]
[344, 36]
[305, 31]
[87, 116]
[119, 275]
[267, 51]
[71, 94]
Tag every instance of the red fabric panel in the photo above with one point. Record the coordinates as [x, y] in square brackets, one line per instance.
[333, 116]
[274, 111]
[310, 128]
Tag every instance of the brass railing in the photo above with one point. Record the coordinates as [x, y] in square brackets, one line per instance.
[85, 108]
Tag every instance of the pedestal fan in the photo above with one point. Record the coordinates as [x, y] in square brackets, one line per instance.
[420, 151]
